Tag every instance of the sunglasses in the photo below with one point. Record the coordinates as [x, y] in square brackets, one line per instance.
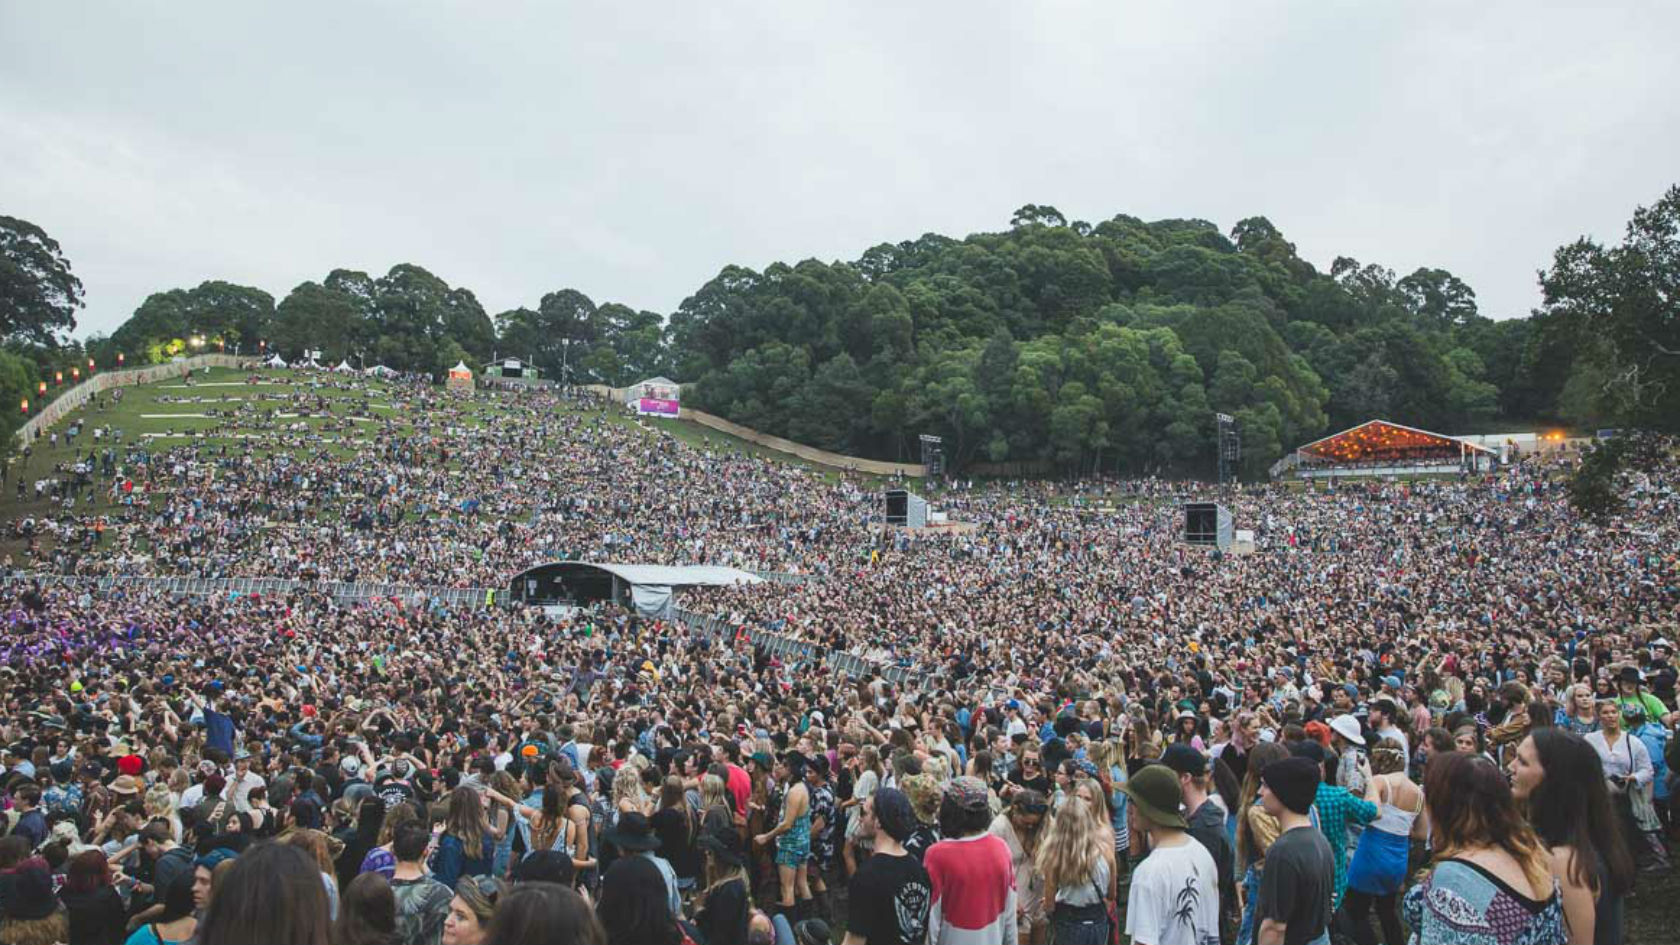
[1029, 762]
[488, 887]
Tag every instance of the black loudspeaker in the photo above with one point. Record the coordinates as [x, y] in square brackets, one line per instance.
[1201, 523]
[898, 507]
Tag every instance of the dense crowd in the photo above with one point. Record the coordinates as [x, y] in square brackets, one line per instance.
[1439, 711]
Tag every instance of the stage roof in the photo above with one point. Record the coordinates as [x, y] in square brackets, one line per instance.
[1375, 439]
[661, 575]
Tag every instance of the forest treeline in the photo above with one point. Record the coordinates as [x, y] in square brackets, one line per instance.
[1081, 347]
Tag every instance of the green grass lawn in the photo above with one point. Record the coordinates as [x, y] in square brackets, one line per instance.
[146, 416]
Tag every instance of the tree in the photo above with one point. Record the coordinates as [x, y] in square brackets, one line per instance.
[315, 317]
[1437, 297]
[1597, 486]
[209, 317]
[1629, 294]
[38, 293]
[1034, 215]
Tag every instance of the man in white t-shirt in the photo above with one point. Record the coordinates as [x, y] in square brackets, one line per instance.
[1174, 899]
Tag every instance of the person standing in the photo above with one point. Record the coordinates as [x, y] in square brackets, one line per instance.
[1174, 897]
[1629, 773]
[890, 894]
[1492, 881]
[1021, 826]
[1558, 781]
[1293, 905]
[1077, 865]
[1207, 826]
[1337, 809]
[792, 837]
[970, 873]
[422, 902]
[1378, 868]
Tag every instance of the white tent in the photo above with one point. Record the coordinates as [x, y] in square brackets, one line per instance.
[344, 367]
[311, 364]
[380, 370]
[275, 361]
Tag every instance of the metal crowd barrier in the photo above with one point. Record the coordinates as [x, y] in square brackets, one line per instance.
[224, 587]
[782, 646]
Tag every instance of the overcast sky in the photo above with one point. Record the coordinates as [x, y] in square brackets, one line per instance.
[633, 150]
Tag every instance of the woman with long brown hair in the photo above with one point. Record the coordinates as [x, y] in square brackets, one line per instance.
[677, 826]
[1492, 879]
[380, 859]
[272, 895]
[466, 847]
[314, 843]
[1021, 827]
[1558, 779]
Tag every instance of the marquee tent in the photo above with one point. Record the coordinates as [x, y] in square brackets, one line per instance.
[1384, 448]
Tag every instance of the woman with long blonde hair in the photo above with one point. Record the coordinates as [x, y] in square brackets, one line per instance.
[1089, 790]
[1578, 714]
[1075, 863]
[161, 805]
[627, 792]
[717, 809]
[1109, 756]
[867, 774]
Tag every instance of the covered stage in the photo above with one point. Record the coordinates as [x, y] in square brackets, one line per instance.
[1384, 448]
[645, 587]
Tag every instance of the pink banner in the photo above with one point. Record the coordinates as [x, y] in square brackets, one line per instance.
[657, 407]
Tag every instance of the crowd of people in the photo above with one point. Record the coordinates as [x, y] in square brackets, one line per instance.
[1439, 712]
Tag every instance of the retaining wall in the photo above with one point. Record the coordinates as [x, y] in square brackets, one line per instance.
[810, 454]
[80, 394]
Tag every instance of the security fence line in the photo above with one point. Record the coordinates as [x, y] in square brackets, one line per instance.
[228, 587]
[784, 647]
[778, 645]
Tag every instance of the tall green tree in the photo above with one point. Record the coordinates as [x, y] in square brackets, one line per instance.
[1629, 294]
[39, 294]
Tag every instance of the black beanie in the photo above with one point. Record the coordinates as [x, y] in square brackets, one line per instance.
[894, 813]
[1294, 781]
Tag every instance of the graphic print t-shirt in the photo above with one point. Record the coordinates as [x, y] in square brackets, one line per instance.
[1174, 899]
[890, 896]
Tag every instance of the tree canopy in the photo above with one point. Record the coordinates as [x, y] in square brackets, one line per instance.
[1058, 343]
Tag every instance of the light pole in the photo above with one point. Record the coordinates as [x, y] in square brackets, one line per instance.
[565, 363]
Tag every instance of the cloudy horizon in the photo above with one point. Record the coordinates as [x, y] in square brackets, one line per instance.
[631, 154]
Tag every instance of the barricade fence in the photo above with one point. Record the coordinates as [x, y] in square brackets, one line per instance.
[225, 587]
[717, 627]
[783, 646]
